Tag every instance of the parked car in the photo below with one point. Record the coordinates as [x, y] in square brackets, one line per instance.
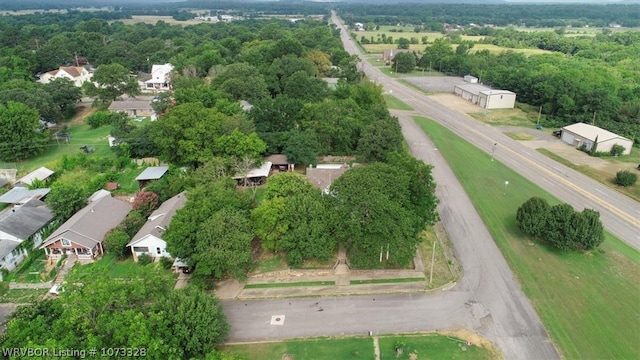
[557, 133]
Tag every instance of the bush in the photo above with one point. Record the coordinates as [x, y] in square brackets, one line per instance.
[531, 217]
[145, 202]
[116, 242]
[166, 262]
[625, 178]
[132, 223]
[617, 150]
[144, 259]
[98, 119]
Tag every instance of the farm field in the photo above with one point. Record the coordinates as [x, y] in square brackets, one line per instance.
[585, 299]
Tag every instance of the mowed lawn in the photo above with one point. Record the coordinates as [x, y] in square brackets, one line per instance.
[588, 302]
[425, 346]
[81, 135]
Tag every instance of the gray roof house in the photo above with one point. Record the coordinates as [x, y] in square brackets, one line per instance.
[133, 107]
[19, 224]
[149, 240]
[83, 233]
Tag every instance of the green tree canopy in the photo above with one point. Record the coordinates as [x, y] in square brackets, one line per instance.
[142, 313]
[380, 138]
[112, 81]
[531, 217]
[20, 133]
[404, 62]
[185, 233]
[224, 245]
[382, 205]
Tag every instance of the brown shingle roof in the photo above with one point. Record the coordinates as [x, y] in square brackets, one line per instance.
[277, 159]
[322, 178]
[74, 71]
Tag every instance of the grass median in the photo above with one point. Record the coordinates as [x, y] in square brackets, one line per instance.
[589, 302]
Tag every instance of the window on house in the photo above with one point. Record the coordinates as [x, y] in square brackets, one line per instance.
[66, 242]
[141, 249]
[158, 251]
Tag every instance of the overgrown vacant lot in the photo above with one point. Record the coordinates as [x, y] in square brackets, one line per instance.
[588, 302]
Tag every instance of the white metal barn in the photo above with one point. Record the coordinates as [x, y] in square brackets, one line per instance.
[584, 134]
[486, 97]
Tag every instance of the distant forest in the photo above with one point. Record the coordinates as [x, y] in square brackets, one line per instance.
[531, 15]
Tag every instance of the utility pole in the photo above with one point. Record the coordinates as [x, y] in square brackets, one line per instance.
[539, 114]
[594, 119]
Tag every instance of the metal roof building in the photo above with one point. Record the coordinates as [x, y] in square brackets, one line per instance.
[580, 134]
[41, 174]
[19, 195]
[485, 96]
[152, 173]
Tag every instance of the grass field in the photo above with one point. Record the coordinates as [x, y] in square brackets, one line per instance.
[395, 103]
[522, 136]
[81, 135]
[588, 302]
[507, 117]
[426, 346]
[431, 346]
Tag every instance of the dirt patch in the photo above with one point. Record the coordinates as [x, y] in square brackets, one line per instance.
[474, 340]
[83, 110]
[456, 103]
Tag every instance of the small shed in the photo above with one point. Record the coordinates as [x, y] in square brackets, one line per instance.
[40, 174]
[580, 134]
[150, 174]
[470, 79]
[256, 176]
[279, 162]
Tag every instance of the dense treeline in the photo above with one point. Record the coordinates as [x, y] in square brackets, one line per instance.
[533, 15]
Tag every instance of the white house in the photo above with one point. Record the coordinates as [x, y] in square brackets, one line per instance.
[580, 134]
[149, 239]
[161, 77]
[78, 74]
